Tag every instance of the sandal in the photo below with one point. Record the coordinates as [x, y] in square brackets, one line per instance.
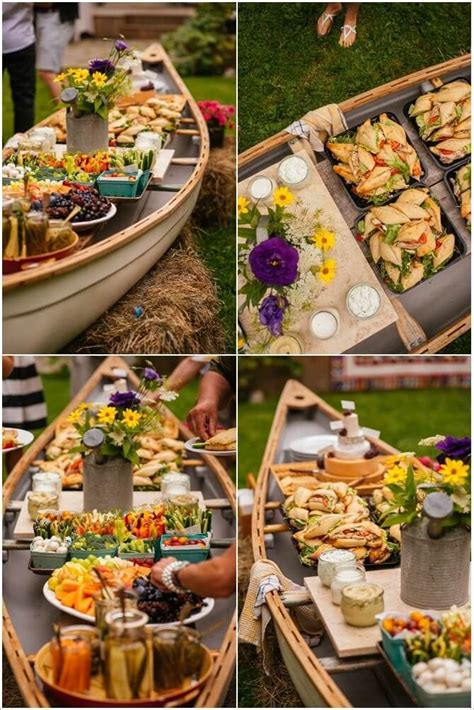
[326, 17]
[346, 32]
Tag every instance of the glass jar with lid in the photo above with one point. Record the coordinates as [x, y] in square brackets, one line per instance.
[175, 484]
[344, 575]
[48, 482]
[329, 562]
[361, 602]
[177, 655]
[75, 657]
[126, 672]
[36, 233]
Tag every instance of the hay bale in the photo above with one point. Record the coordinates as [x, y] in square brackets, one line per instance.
[180, 312]
[216, 202]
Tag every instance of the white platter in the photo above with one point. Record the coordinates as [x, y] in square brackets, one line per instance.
[83, 226]
[189, 446]
[308, 447]
[51, 598]
[24, 437]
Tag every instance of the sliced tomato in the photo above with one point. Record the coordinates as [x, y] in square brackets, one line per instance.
[422, 239]
[379, 161]
[395, 144]
[394, 171]
[446, 152]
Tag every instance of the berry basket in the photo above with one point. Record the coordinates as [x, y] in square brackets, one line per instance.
[126, 185]
[190, 553]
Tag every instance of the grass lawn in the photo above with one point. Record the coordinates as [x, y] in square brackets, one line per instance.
[285, 70]
[403, 416]
[216, 246]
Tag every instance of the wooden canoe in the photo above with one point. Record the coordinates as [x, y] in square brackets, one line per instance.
[28, 618]
[421, 328]
[46, 307]
[320, 677]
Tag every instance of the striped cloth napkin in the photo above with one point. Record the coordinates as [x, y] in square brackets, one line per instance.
[318, 125]
[265, 577]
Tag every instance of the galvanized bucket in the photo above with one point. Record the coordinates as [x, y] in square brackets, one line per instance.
[86, 134]
[434, 573]
[107, 486]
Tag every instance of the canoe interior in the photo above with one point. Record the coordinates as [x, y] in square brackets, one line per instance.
[366, 687]
[32, 616]
[439, 302]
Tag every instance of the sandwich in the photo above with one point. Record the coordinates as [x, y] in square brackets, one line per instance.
[364, 534]
[225, 440]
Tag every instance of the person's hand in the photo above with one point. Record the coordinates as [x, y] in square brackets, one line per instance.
[157, 570]
[202, 419]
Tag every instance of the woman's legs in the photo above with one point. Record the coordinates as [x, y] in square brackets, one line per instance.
[325, 20]
[348, 32]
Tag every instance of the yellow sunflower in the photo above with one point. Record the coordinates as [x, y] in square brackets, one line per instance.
[131, 419]
[60, 77]
[327, 271]
[395, 459]
[83, 406]
[99, 79]
[243, 205]
[80, 75]
[75, 416]
[396, 475]
[283, 197]
[106, 415]
[324, 239]
[454, 472]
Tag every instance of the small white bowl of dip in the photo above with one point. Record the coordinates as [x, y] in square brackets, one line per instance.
[261, 187]
[363, 301]
[293, 171]
[324, 323]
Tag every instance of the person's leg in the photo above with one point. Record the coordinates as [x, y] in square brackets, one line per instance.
[52, 36]
[21, 69]
[349, 28]
[325, 20]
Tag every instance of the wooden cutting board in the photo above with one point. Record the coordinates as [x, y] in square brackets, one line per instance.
[352, 268]
[72, 500]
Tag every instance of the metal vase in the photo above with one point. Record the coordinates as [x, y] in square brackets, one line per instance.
[434, 573]
[86, 134]
[107, 486]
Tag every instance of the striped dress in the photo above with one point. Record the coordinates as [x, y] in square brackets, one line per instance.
[23, 404]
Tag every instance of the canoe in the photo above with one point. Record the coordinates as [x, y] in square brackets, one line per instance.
[28, 617]
[421, 327]
[321, 678]
[46, 307]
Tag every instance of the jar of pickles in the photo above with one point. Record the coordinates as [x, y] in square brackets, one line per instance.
[75, 658]
[36, 233]
[103, 605]
[177, 655]
[344, 575]
[126, 672]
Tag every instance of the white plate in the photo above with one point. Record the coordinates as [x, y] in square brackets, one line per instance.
[23, 436]
[309, 446]
[189, 446]
[51, 598]
[82, 226]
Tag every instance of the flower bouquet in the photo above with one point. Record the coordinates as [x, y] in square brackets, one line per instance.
[89, 94]
[432, 505]
[287, 271]
[218, 117]
[109, 439]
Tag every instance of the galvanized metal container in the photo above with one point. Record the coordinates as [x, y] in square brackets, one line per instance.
[108, 486]
[434, 572]
[86, 134]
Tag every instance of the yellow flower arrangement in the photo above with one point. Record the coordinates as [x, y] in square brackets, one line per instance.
[99, 79]
[80, 75]
[106, 415]
[396, 475]
[60, 77]
[242, 205]
[327, 271]
[283, 197]
[324, 239]
[454, 472]
[130, 418]
[75, 416]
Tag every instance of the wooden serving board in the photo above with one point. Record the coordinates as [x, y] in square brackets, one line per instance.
[72, 500]
[351, 640]
[352, 268]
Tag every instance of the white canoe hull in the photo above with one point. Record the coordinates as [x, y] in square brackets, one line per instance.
[45, 316]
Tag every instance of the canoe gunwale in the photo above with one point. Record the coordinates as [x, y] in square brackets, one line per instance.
[294, 396]
[134, 231]
[216, 687]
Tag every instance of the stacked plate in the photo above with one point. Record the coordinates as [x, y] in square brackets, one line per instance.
[308, 448]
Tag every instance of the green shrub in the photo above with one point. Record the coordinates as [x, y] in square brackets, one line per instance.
[204, 45]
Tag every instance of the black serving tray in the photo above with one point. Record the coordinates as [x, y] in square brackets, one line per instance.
[359, 202]
[459, 249]
[449, 178]
[427, 143]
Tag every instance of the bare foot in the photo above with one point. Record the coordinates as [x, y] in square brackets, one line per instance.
[349, 28]
[325, 21]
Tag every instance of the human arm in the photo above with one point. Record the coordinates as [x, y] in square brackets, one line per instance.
[214, 391]
[211, 578]
[8, 365]
[184, 373]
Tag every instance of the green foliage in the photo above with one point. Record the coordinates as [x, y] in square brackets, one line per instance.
[203, 45]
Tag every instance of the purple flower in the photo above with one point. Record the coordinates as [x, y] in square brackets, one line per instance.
[121, 45]
[271, 312]
[454, 448]
[103, 65]
[274, 262]
[124, 399]
[150, 374]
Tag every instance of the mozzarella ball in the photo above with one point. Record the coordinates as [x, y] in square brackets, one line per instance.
[425, 677]
[454, 680]
[418, 668]
[439, 675]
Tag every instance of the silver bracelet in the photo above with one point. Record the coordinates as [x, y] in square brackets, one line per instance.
[168, 578]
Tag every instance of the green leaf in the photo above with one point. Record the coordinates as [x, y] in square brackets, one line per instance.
[254, 292]
[410, 484]
[391, 233]
[399, 519]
